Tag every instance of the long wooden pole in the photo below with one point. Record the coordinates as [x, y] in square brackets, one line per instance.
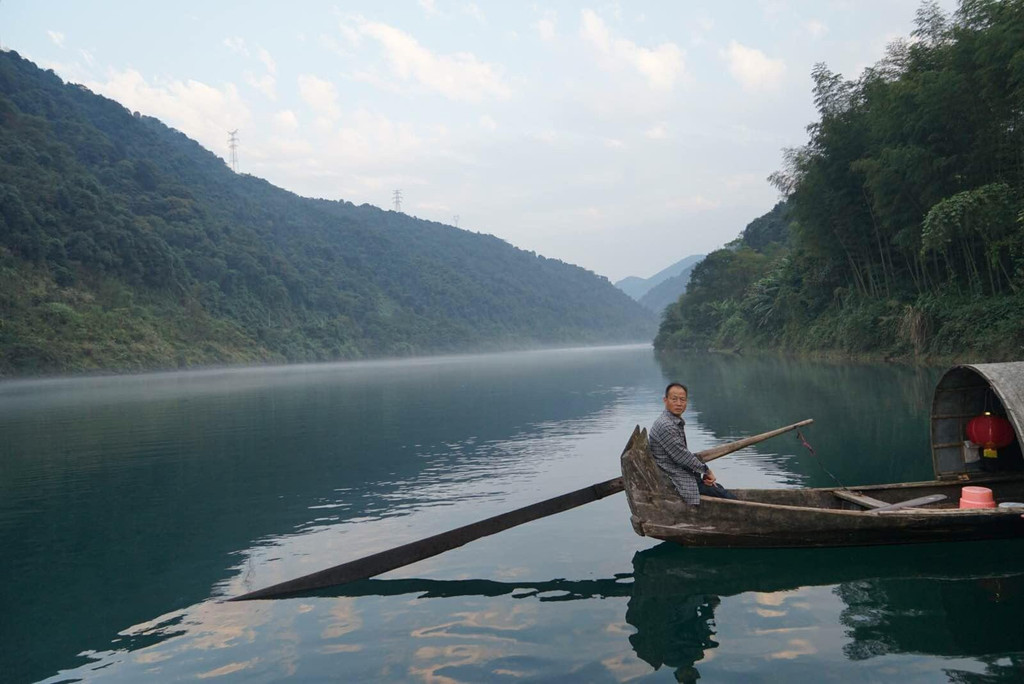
[406, 554]
[725, 449]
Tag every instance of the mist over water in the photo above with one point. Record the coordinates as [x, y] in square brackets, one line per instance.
[130, 505]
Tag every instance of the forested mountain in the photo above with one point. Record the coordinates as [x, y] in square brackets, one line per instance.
[126, 245]
[706, 313]
[637, 287]
[668, 291]
[903, 233]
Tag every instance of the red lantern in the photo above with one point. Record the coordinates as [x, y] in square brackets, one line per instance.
[991, 432]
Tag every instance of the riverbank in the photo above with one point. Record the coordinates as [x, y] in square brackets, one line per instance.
[930, 330]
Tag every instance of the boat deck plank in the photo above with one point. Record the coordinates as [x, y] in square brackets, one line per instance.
[860, 499]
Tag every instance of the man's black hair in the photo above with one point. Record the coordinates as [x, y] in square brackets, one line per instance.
[676, 384]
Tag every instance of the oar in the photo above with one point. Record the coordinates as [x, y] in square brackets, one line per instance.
[378, 563]
[729, 447]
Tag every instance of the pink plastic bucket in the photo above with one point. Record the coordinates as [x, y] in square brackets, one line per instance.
[976, 497]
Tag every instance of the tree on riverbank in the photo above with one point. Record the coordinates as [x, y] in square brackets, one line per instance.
[905, 225]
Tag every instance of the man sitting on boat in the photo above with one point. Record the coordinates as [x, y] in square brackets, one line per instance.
[689, 475]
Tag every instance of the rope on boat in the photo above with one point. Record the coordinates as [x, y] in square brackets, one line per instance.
[806, 444]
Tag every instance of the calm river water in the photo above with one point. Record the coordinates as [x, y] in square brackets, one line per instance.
[129, 506]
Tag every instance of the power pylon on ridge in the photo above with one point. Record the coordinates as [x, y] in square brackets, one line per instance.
[455, 220]
[397, 199]
[233, 145]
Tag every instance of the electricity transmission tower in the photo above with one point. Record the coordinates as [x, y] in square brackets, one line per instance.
[397, 199]
[233, 145]
[455, 220]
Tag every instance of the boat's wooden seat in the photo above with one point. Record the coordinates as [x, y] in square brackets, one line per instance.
[874, 504]
[859, 499]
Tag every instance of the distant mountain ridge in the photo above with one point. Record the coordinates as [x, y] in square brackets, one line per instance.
[124, 245]
[668, 291]
[634, 286]
[662, 288]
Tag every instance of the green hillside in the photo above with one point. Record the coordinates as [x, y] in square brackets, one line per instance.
[125, 245]
[903, 230]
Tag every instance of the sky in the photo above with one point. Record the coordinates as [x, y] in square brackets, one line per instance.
[619, 136]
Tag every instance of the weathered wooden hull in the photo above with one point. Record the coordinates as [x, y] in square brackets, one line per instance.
[780, 518]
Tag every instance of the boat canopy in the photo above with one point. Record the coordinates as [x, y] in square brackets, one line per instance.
[967, 391]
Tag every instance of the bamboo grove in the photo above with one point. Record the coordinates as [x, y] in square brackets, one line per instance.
[904, 212]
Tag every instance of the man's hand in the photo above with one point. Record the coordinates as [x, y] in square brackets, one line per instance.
[709, 478]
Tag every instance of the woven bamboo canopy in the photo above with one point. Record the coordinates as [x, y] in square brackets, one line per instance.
[966, 391]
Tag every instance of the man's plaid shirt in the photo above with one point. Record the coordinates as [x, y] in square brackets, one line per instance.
[668, 447]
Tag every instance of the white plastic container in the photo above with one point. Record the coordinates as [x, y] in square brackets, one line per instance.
[972, 452]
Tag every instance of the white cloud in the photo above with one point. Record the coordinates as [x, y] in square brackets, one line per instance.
[459, 76]
[369, 140]
[546, 25]
[698, 36]
[693, 203]
[201, 111]
[350, 35]
[320, 95]
[752, 68]
[87, 56]
[473, 10]
[236, 44]
[287, 120]
[341, 48]
[266, 84]
[773, 9]
[57, 37]
[742, 181]
[71, 72]
[373, 77]
[361, 155]
[355, 155]
[268, 62]
[283, 149]
[744, 135]
[428, 6]
[614, 144]
[595, 31]
[435, 207]
[488, 124]
[657, 132]
[815, 28]
[548, 137]
[661, 66]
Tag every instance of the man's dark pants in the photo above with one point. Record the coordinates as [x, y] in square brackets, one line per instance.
[715, 490]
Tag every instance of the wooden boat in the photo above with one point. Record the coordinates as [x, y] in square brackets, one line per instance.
[875, 514]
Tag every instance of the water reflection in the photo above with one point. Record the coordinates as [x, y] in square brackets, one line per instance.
[871, 420]
[961, 600]
[943, 600]
[129, 497]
